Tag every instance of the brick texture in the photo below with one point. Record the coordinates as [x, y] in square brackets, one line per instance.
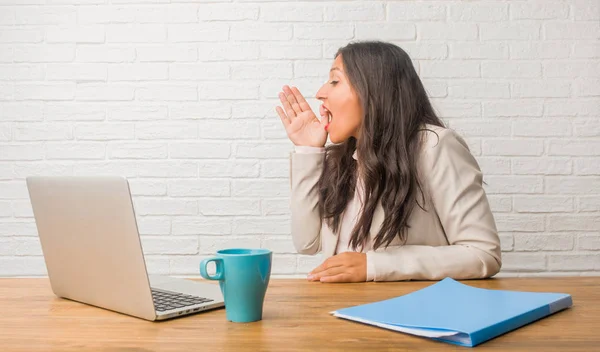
[179, 97]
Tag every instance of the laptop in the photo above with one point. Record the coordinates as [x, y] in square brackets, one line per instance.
[93, 254]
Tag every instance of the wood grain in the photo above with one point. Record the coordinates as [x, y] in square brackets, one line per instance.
[296, 317]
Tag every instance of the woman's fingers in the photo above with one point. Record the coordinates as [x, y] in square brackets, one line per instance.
[328, 272]
[300, 99]
[292, 99]
[343, 277]
[291, 113]
[329, 263]
[284, 119]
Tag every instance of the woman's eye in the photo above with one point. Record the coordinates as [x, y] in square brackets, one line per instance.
[333, 83]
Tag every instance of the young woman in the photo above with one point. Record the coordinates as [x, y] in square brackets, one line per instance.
[396, 195]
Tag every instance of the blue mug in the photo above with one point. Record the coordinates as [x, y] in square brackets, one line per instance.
[243, 276]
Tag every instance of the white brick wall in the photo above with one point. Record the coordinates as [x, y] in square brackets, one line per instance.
[179, 96]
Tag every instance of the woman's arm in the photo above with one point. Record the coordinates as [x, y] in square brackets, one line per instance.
[306, 165]
[452, 177]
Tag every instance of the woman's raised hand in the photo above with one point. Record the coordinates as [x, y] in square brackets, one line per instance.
[301, 124]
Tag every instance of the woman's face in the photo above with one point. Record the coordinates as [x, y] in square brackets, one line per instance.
[340, 104]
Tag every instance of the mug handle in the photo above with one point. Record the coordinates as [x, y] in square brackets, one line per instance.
[218, 274]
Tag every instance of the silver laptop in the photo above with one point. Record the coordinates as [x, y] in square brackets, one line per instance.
[93, 253]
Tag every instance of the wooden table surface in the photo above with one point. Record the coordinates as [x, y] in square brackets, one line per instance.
[296, 317]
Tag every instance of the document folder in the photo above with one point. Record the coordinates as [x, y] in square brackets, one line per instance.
[456, 313]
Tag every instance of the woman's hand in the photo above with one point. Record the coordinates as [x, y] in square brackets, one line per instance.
[301, 124]
[344, 267]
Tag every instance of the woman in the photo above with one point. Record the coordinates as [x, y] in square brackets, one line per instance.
[396, 196]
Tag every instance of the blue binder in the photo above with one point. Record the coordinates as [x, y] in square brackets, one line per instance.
[456, 313]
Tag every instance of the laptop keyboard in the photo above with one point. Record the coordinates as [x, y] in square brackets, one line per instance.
[167, 300]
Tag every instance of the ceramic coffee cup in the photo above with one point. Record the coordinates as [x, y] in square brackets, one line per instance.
[243, 276]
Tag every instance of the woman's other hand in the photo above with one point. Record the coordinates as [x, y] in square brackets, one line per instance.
[343, 267]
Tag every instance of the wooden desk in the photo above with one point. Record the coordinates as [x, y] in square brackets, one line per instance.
[295, 318]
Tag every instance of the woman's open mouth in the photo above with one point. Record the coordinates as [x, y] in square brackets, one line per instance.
[326, 113]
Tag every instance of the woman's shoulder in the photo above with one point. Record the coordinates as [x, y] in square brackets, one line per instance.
[433, 137]
[437, 141]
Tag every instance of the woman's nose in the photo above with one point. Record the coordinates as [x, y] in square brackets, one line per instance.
[321, 93]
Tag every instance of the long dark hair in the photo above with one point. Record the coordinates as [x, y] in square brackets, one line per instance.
[396, 108]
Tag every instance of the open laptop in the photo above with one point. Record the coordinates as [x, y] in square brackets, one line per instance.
[91, 245]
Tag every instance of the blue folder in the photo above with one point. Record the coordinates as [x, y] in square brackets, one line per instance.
[456, 313]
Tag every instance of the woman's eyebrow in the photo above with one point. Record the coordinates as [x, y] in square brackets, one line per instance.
[335, 68]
